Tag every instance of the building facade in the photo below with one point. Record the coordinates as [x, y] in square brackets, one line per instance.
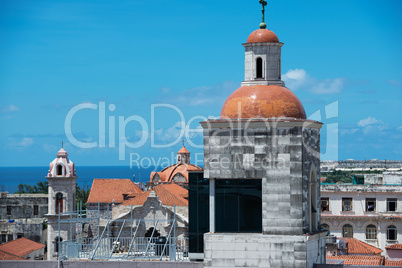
[368, 212]
[23, 215]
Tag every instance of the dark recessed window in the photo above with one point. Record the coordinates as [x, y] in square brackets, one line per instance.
[370, 204]
[8, 210]
[391, 204]
[238, 206]
[198, 210]
[36, 210]
[392, 233]
[324, 204]
[259, 67]
[347, 204]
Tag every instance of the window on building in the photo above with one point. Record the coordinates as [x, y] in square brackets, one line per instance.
[347, 230]
[259, 67]
[371, 232]
[391, 204]
[3, 238]
[347, 204]
[324, 204]
[59, 203]
[56, 242]
[9, 237]
[325, 226]
[370, 204]
[36, 210]
[392, 233]
[238, 206]
[59, 170]
[8, 210]
[20, 235]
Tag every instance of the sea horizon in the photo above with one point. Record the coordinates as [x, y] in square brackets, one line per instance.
[11, 177]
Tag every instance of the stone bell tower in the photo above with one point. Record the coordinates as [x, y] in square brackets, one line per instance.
[61, 177]
[262, 160]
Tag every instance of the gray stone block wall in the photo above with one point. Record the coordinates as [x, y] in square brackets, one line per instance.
[283, 154]
[259, 250]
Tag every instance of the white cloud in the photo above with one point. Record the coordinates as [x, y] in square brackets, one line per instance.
[177, 130]
[296, 78]
[371, 125]
[10, 109]
[328, 86]
[200, 96]
[300, 79]
[367, 121]
[24, 142]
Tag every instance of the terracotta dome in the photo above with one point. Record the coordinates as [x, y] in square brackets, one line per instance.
[261, 101]
[262, 36]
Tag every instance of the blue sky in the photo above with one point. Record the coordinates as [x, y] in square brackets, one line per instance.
[343, 60]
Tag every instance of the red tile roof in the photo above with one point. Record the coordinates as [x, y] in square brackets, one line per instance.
[394, 246]
[107, 190]
[4, 256]
[356, 246]
[169, 194]
[21, 246]
[183, 150]
[392, 263]
[169, 172]
[359, 259]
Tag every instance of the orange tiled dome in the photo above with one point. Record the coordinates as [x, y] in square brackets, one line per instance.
[261, 101]
[261, 36]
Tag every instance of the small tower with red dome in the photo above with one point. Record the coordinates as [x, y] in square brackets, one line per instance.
[262, 160]
[61, 178]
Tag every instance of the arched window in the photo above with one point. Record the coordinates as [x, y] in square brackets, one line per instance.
[259, 67]
[347, 230]
[150, 232]
[56, 244]
[59, 170]
[59, 203]
[312, 201]
[392, 234]
[371, 232]
[325, 226]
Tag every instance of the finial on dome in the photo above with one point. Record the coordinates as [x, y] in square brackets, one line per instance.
[263, 25]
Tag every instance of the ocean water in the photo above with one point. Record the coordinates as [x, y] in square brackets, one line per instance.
[11, 177]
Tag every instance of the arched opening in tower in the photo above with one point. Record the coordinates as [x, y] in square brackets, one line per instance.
[259, 68]
[59, 170]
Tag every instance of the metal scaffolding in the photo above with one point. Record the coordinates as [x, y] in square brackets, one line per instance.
[106, 246]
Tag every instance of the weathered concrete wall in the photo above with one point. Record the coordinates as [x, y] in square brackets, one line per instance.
[394, 178]
[22, 206]
[97, 264]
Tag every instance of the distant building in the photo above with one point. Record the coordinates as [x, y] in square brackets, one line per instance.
[22, 215]
[368, 210]
[351, 164]
[24, 248]
[176, 173]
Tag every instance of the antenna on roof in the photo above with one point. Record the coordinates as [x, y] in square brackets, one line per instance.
[183, 140]
[62, 143]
